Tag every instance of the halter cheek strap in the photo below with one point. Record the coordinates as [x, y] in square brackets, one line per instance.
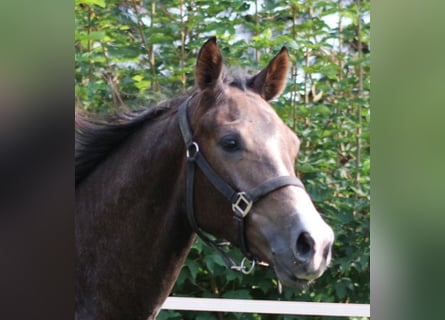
[242, 201]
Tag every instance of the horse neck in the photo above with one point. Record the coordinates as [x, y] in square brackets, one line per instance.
[131, 230]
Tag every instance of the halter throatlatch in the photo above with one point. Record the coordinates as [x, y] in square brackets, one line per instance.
[242, 201]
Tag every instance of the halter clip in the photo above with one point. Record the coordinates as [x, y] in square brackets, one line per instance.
[242, 268]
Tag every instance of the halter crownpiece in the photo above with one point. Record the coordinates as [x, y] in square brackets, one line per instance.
[242, 201]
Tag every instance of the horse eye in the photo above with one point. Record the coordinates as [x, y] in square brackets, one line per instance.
[230, 143]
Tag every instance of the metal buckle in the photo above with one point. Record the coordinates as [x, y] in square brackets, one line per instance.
[192, 151]
[242, 268]
[242, 205]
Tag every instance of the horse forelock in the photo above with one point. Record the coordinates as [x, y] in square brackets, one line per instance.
[236, 77]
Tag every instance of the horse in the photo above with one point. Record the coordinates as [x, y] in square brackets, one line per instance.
[217, 160]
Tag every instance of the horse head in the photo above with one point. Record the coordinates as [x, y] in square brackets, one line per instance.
[247, 144]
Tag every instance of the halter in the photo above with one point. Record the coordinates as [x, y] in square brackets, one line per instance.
[242, 201]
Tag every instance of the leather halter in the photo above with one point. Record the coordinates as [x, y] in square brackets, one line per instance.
[242, 201]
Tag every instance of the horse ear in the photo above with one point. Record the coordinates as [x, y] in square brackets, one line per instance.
[271, 81]
[208, 65]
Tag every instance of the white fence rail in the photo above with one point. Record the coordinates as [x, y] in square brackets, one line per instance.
[269, 307]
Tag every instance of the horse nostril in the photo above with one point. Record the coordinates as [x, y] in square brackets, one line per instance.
[327, 251]
[305, 246]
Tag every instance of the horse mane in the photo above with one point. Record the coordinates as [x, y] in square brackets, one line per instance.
[97, 136]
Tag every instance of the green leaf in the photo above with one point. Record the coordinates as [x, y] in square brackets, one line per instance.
[319, 109]
[239, 294]
[340, 290]
[99, 3]
[193, 268]
[168, 315]
[306, 168]
[359, 192]
[94, 35]
[206, 316]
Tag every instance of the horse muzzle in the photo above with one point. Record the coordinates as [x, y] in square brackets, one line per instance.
[305, 255]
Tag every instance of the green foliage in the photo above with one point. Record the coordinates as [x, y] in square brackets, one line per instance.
[140, 52]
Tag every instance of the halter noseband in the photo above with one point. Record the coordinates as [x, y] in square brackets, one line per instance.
[242, 201]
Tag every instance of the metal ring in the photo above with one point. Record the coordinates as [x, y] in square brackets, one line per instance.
[242, 268]
[192, 151]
